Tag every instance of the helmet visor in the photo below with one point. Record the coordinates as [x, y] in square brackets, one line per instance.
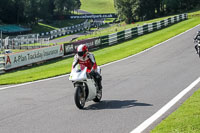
[81, 54]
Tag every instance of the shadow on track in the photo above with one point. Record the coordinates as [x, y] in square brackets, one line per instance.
[115, 104]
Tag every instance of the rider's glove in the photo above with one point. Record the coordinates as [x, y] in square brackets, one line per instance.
[92, 72]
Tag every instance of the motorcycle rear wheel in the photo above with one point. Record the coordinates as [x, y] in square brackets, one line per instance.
[79, 97]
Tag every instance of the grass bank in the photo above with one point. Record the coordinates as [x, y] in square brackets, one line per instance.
[53, 25]
[98, 6]
[103, 56]
[186, 119]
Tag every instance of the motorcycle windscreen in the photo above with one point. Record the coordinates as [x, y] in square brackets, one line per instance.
[78, 75]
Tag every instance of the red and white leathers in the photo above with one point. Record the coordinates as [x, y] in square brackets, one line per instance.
[88, 61]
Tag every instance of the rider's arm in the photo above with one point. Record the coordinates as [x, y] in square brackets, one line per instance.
[75, 62]
[92, 59]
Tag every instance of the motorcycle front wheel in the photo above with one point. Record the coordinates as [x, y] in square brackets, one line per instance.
[79, 97]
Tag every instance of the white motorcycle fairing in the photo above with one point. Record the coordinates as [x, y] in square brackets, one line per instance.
[78, 75]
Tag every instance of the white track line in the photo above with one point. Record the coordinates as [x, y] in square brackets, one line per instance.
[13, 86]
[165, 108]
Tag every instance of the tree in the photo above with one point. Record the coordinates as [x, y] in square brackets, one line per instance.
[46, 9]
[139, 10]
[135, 10]
[29, 11]
[124, 9]
[146, 9]
[64, 7]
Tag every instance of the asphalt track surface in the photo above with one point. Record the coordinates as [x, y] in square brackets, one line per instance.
[133, 90]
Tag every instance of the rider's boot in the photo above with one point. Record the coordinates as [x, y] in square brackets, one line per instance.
[196, 47]
[99, 79]
[99, 85]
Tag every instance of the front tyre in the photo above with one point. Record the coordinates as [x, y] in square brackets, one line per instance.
[79, 97]
[98, 96]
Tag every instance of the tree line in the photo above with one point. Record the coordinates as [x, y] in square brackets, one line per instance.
[139, 10]
[29, 11]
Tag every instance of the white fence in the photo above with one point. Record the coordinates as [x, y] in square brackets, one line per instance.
[40, 38]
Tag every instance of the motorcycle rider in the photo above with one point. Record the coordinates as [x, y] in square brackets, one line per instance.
[196, 39]
[84, 57]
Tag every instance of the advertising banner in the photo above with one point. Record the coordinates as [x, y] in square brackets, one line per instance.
[28, 57]
[91, 43]
[92, 16]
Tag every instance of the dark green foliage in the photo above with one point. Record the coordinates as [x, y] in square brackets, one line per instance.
[30, 11]
[140, 10]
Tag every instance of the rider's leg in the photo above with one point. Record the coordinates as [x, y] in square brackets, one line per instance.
[99, 79]
[196, 47]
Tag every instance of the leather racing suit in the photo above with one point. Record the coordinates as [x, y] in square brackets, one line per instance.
[90, 63]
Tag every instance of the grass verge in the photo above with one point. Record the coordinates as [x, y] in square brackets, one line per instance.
[186, 119]
[103, 56]
[98, 6]
[43, 27]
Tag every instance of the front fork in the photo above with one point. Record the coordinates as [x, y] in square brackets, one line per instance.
[84, 89]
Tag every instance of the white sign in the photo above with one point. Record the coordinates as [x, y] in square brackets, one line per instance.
[28, 57]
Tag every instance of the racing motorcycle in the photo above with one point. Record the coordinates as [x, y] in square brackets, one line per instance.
[86, 89]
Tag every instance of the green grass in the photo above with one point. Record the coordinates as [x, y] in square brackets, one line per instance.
[13, 51]
[40, 28]
[98, 6]
[49, 26]
[194, 13]
[103, 56]
[185, 119]
[44, 27]
[56, 67]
